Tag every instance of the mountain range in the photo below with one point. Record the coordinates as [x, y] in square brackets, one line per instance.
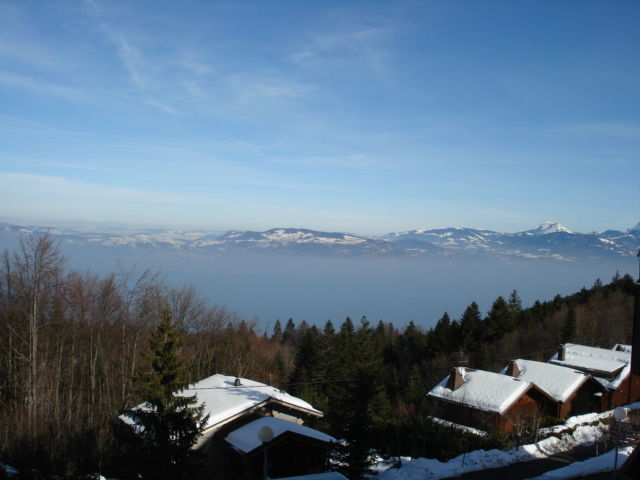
[547, 241]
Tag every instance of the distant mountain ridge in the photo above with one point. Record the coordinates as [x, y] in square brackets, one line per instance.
[549, 240]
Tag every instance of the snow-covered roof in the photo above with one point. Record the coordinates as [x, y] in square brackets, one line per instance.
[609, 367]
[488, 391]
[245, 439]
[556, 381]
[317, 476]
[622, 347]
[223, 400]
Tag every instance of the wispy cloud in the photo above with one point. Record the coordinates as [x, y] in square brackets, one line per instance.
[253, 86]
[133, 61]
[363, 45]
[130, 57]
[43, 87]
[91, 193]
[629, 130]
[191, 62]
[355, 161]
[31, 53]
[304, 186]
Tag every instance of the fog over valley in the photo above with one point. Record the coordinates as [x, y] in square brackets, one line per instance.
[267, 285]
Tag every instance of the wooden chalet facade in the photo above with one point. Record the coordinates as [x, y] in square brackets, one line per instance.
[294, 449]
[611, 368]
[237, 405]
[236, 409]
[486, 400]
[568, 392]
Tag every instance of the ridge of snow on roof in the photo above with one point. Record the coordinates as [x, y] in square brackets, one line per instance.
[557, 381]
[245, 439]
[600, 359]
[488, 391]
[622, 347]
[223, 400]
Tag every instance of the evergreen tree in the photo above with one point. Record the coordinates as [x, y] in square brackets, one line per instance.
[288, 336]
[329, 331]
[442, 335]
[570, 326]
[347, 330]
[357, 405]
[414, 391]
[471, 327]
[499, 320]
[381, 329]
[277, 331]
[515, 304]
[168, 424]
[310, 366]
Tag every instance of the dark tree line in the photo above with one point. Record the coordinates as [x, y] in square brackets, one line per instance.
[72, 344]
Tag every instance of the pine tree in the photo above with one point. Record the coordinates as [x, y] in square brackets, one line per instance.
[471, 327]
[168, 424]
[277, 331]
[362, 402]
[499, 320]
[570, 326]
[310, 367]
[329, 331]
[288, 336]
[442, 335]
[515, 304]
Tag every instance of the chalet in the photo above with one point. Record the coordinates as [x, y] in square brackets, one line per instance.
[609, 367]
[486, 400]
[568, 392]
[294, 448]
[237, 408]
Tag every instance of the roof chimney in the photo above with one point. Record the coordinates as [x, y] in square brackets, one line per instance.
[237, 382]
[456, 378]
[562, 352]
[512, 369]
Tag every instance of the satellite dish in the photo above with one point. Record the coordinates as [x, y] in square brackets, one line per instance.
[620, 413]
[265, 434]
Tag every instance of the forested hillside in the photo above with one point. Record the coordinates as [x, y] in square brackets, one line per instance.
[72, 342]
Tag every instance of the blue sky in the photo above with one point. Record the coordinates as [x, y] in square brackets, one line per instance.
[367, 117]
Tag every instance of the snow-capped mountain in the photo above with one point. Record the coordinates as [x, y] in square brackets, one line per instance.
[547, 228]
[284, 240]
[549, 240]
[303, 240]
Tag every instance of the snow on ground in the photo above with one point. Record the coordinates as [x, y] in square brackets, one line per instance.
[579, 430]
[457, 426]
[603, 463]
[431, 469]
[10, 472]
